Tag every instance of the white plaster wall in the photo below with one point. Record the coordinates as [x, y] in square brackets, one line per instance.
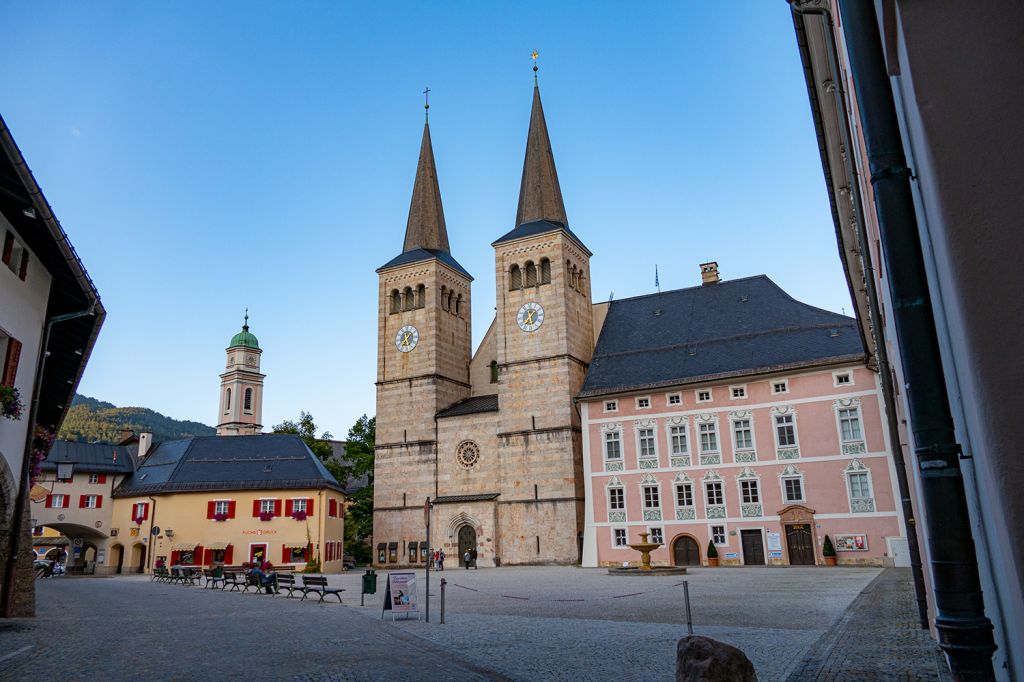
[22, 314]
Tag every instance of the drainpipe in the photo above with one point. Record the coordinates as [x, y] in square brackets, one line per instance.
[151, 557]
[964, 632]
[881, 353]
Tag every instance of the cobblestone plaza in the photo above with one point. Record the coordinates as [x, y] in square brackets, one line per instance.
[528, 623]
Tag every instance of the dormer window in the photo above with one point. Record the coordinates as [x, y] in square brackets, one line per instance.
[643, 403]
[703, 395]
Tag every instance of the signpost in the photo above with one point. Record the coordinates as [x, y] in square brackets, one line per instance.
[430, 553]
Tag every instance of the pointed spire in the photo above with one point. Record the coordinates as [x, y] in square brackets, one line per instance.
[426, 228]
[540, 196]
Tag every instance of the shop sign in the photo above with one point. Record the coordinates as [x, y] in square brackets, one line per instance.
[259, 531]
[731, 555]
[857, 542]
[774, 555]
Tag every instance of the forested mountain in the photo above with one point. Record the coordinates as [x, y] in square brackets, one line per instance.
[94, 421]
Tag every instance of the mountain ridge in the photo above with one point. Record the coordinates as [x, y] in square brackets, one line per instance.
[90, 420]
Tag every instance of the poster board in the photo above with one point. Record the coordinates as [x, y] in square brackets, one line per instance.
[856, 542]
[774, 541]
[400, 595]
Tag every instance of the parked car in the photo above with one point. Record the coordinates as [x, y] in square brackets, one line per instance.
[348, 562]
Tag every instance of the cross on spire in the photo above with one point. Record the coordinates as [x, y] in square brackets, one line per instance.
[534, 57]
[426, 102]
[245, 325]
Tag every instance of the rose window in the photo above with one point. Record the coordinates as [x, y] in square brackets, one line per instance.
[468, 453]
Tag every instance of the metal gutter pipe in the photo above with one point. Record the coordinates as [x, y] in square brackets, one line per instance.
[964, 632]
[871, 293]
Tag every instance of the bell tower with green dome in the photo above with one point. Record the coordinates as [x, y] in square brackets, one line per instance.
[241, 386]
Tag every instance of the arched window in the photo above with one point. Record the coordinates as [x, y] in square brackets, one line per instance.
[444, 297]
[408, 302]
[451, 300]
[227, 400]
[515, 278]
[458, 305]
[421, 296]
[494, 371]
[247, 405]
[531, 274]
[579, 281]
[545, 271]
[396, 301]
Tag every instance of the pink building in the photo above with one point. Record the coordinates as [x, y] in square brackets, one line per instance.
[731, 413]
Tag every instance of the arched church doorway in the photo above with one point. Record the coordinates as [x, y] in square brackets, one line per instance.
[467, 541]
[117, 557]
[139, 558]
[685, 551]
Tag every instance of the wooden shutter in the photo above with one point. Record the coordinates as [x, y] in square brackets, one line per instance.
[174, 557]
[8, 248]
[145, 510]
[231, 512]
[255, 508]
[286, 554]
[208, 557]
[101, 478]
[49, 501]
[197, 555]
[332, 508]
[66, 501]
[23, 268]
[99, 501]
[81, 501]
[289, 507]
[10, 369]
[309, 506]
[229, 553]
[277, 507]
[211, 506]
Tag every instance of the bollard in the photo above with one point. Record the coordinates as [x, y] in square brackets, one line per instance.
[686, 598]
[443, 583]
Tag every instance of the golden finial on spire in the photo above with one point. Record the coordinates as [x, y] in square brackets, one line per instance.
[534, 58]
[426, 103]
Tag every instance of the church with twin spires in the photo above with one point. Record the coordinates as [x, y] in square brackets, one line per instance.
[492, 436]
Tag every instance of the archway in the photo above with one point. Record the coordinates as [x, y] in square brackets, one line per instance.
[467, 541]
[685, 551]
[117, 558]
[138, 560]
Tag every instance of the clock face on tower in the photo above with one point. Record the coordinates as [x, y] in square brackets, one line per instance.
[407, 338]
[530, 317]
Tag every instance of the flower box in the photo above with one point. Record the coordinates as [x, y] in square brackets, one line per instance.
[266, 516]
[299, 515]
[224, 517]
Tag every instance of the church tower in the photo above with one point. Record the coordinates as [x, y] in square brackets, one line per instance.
[544, 328]
[241, 387]
[423, 355]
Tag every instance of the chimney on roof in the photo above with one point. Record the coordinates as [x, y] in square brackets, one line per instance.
[709, 273]
[145, 442]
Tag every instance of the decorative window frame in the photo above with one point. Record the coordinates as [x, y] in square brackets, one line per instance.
[709, 391]
[615, 463]
[750, 510]
[614, 406]
[714, 511]
[859, 505]
[709, 457]
[643, 407]
[850, 447]
[840, 373]
[684, 512]
[263, 503]
[661, 532]
[670, 396]
[785, 451]
[625, 532]
[650, 513]
[785, 384]
[791, 471]
[678, 459]
[740, 387]
[615, 515]
[747, 454]
[725, 534]
[648, 461]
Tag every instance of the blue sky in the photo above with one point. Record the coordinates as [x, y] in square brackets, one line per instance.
[208, 157]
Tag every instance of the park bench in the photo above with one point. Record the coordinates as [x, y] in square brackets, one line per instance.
[287, 582]
[234, 579]
[254, 582]
[318, 585]
[212, 578]
[161, 575]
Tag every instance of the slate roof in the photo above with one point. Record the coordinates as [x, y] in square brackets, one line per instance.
[92, 458]
[213, 463]
[480, 497]
[733, 328]
[417, 255]
[539, 227]
[474, 405]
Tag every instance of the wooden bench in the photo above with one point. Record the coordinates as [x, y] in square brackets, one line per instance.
[234, 579]
[161, 575]
[254, 582]
[212, 578]
[287, 582]
[318, 584]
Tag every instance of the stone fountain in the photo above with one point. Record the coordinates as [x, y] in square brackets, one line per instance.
[645, 548]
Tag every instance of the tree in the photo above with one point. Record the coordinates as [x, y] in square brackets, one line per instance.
[305, 428]
[359, 451]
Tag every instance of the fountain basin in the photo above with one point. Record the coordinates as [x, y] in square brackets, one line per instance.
[647, 572]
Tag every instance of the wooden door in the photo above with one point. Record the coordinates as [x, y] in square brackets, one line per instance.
[753, 547]
[685, 551]
[257, 553]
[801, 546]
[467, 541]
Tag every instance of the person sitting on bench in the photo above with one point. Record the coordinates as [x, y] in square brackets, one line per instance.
[266, 576]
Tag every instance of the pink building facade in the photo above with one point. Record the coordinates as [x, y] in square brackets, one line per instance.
[762, 464]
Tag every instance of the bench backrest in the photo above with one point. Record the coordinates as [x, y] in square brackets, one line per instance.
[230, 575]
[286, 579]
[314, 580]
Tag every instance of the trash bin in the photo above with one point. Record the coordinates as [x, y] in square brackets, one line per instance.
[370, 581]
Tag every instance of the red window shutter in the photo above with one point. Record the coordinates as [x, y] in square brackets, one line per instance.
[10, 369]
[49, 501]
[99, 501]
[332, 508]
[81, 501]
[174, 557]
[288, 507]
[210, 507]
[23, 269]
[286, 554]
[309, 506]
[197, 555]
[67, 501]
[208, 557]
[145, 510]
[255, 508]
[231, 511]
[102, 478]
[277, 507]
[229, 553]
[8, 248]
